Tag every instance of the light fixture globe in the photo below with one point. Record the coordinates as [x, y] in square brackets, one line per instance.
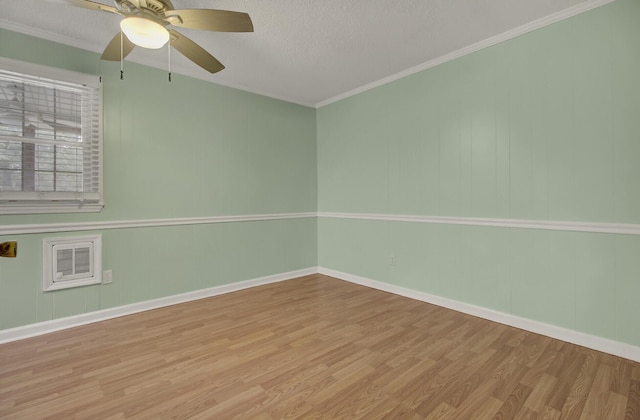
[144, 32]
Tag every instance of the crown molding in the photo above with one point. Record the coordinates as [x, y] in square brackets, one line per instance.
[505, 36]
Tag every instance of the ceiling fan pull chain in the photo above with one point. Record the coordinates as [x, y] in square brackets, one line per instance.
[100, 70]
[121, 57]
[169, 49]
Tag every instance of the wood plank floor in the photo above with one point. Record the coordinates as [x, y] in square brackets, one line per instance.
[313, 347]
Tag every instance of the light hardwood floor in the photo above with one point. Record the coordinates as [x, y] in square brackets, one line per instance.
[313, 347]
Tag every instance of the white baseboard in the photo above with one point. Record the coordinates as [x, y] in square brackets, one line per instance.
[45, 327]
[606, 345]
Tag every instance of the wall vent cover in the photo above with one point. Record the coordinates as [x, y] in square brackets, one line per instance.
[71, 262]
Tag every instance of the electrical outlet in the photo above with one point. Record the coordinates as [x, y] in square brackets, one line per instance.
[392, 260]
[107, 277]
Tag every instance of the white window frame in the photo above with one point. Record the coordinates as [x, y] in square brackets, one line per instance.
[51, 280]
[21, 202]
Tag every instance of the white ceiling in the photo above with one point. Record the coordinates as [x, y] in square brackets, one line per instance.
[312, 52]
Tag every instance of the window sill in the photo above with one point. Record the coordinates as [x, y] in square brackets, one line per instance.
[22, 208]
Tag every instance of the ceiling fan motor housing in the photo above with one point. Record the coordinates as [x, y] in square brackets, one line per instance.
[156, 7]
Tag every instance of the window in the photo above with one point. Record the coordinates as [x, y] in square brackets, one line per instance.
[50, 140]
[71, 262]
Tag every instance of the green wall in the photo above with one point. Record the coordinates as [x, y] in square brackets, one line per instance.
[544, 126]
[173, 150]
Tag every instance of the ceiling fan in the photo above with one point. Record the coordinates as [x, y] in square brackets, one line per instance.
[146, 24]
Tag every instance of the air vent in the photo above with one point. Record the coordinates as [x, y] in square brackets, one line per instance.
[71, 262]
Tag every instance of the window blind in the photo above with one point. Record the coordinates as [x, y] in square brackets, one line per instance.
[50, 138]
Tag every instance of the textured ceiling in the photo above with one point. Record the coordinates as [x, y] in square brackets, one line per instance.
[310, 52]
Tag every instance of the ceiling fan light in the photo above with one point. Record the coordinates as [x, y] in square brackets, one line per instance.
[144, 32]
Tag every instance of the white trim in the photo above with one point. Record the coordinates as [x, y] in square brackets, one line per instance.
[606, 345]
[617, 228]
[128, 224]
[505, 36]
[620, 228]
[46, 327]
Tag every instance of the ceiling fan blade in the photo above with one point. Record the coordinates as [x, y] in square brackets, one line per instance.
[194, 52]
[112, 52]
[88, 4]
[210, 20]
